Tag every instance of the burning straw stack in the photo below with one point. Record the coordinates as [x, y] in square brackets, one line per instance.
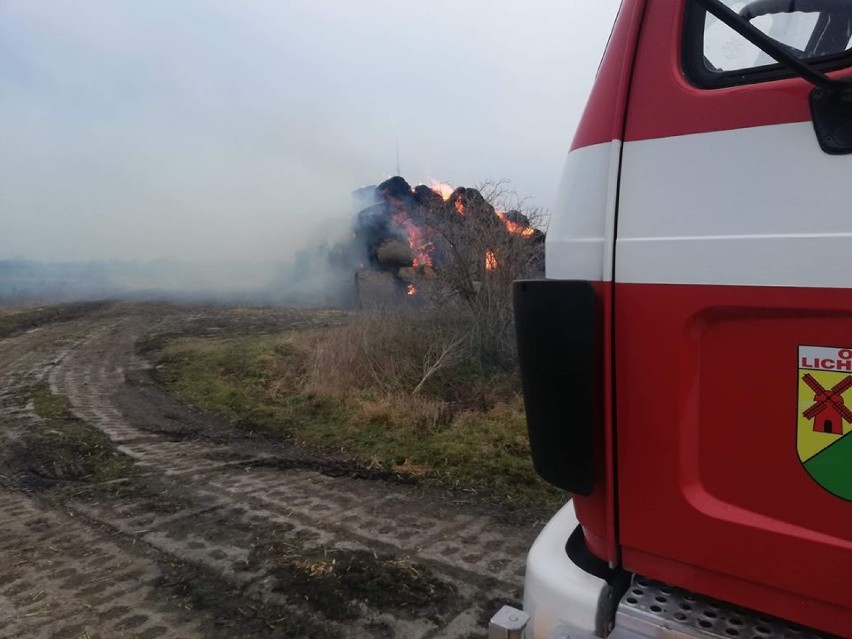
[409, 236]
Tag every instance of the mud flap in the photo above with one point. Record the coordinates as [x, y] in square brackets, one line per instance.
[558, 324]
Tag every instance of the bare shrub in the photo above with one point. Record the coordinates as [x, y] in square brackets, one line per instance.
[493, 238]
[399, 351]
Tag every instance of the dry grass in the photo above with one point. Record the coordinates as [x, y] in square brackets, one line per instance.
[413, 361]
[388, 352]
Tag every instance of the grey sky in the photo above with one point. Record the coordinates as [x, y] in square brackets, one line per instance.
[234, 129]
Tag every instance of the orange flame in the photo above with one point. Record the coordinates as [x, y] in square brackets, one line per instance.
[490, 261]
[441, 188]
[410, 290]
[417, 241]
[514, 228]
[459, 206]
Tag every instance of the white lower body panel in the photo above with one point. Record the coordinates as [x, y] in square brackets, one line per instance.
[557, 593]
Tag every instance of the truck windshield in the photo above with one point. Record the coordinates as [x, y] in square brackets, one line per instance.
[810, 29]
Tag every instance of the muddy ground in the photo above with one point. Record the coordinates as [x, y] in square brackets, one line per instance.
[170, 523]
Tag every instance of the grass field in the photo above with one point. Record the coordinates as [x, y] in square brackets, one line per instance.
[464, 429]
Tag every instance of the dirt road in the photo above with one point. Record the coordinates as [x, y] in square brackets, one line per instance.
[214, 532]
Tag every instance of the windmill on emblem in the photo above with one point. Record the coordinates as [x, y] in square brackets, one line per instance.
[829, 411]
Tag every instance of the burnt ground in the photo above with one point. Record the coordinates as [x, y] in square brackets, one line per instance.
[124, 513]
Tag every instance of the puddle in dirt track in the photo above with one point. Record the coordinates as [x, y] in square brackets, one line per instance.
[204, 531]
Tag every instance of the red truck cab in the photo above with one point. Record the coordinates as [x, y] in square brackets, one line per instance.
[688, 359]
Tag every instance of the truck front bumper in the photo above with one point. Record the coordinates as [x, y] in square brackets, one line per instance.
[562, 601]
[560, 597]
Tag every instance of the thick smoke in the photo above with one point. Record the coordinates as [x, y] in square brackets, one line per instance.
[392, 229]
[156, 146]
[31, 282]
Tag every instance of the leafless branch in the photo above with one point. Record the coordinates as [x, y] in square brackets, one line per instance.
[438, 358]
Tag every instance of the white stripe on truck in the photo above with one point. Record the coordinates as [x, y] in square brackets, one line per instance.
[762, 206]
[579, 239]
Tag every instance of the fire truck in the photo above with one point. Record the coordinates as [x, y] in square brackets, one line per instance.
[687, 361]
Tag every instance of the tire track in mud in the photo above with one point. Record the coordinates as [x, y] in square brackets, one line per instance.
[60, 576]
[234, 510]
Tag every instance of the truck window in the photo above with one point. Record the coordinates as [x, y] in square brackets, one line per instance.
[819, 31]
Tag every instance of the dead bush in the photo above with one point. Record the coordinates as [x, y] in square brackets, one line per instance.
[494, 239]
[389, 352]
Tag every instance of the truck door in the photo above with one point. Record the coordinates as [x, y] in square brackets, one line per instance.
[733, 313]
